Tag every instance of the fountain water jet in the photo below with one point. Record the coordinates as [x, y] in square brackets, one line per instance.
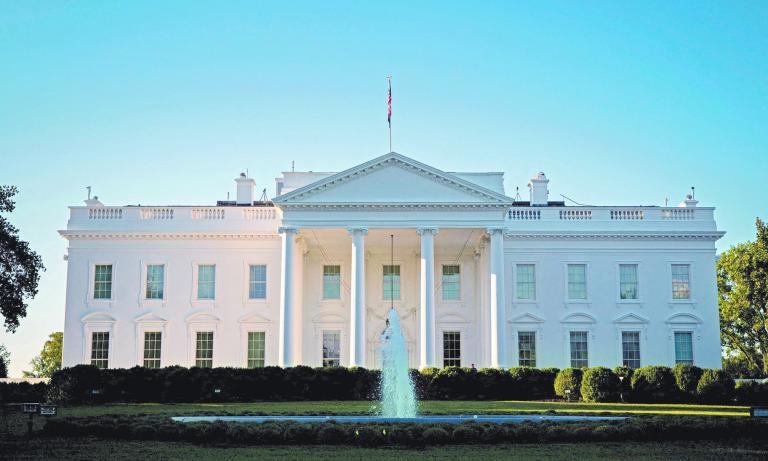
[398, 396]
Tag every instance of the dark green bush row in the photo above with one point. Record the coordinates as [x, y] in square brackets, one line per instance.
[23, 392]
[400, 434]
[655, 384]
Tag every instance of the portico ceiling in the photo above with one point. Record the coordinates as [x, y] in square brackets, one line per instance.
[378, 240]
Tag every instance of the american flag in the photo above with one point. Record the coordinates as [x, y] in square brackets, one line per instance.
[389, 104]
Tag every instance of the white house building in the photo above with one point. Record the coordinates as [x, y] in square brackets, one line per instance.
[307, 278]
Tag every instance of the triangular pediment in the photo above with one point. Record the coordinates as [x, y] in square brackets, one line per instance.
[392, 179]
[527, 318]
[630, 318]
[149, 317]
[202, 317]
[94, 317]
[253, 318]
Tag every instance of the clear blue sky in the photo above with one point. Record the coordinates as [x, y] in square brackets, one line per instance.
[165, 102]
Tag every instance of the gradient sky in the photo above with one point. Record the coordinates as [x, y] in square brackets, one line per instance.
[166, 102]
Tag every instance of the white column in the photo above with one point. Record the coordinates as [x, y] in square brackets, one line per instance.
[357, 301]
[286, 353]
[497, 317]
[427, 285]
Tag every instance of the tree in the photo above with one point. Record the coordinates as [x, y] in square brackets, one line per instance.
[49, 360]
[5, 361]
[742, 283]
[20, 267]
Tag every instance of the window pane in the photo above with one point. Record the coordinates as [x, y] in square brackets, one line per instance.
[255, 349]
[451, 282]
[152, 341]
[579, 352]
[100, 349]
[628, 281]
[102, 283]
[526, 281]
[331, 348]
[630, 348]
[526, 345]
[206, 281]
[155, 281]
[451, 349]
[204, 349]
[331, 282]
[391, 282]
[684, 347]
[577, 281]
[257, 282]
[681, 287]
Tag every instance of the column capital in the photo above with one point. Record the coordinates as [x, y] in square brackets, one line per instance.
[357, 230]
[429, 230]
[495, 230]
[287, 230]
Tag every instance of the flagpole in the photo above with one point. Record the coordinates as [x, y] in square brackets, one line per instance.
[389, 110]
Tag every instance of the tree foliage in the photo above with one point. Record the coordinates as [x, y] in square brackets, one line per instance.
[20, 267]
[49, 360]
[742, 282]
[5, 361]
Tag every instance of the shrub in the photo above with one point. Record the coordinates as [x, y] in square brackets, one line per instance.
[464, 433]
[434, 436]
[624, 373]
[599, 384]
[332, 434]
[715, 386]
[653, 384]
[687, 378]
[751, 393]
[450, 383]
[568, 379]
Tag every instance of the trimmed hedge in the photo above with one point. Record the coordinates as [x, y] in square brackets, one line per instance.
[715, 386]
[654, 384]
[568, 379]
[599, 384]
[658, 428]
[687, 378]
[751, 393]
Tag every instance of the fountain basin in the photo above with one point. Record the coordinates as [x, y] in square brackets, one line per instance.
[450, 419]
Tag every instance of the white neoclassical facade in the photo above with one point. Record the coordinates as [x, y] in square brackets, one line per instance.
[307, 278]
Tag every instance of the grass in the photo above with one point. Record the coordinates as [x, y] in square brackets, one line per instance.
[90, 448]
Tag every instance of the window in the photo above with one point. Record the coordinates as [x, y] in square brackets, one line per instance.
[206, 281]
[204, 349]
[526, 346]
[152, 340]
[684, 347]
[526, 281]
[451, 283]
[102, 282]
[681, 281]
[451, 349]
[100, 349]
[331, 348]
[155, 281]
[391, 282]
[577, 281]
[630, 349]
[628, 281]
[331, 282]
[255, 349]
[579, 352]
[257, 281]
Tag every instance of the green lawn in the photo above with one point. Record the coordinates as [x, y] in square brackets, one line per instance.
[426, 407]
[136, 450]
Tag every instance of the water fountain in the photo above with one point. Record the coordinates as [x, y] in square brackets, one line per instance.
[398, 396]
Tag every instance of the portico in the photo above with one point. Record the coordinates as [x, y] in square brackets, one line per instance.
[346, 220]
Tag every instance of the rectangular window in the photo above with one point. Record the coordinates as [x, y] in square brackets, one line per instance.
[155, 281]
[628, 281]
[577, 281]
[451, 349]
[684, 347]
[526, 346]
[451, 283]
[391, 282]
[630, 348]
[255, 349]
[204, 349]
[331, 282]
[681, 281]
[257, 281]
[206, 281]
[526, 281]
[331, 348]
[579, 352]
[102, 282]
[100, 349]
[152, 340]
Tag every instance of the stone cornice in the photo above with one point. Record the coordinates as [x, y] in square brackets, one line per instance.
[614, 235]
[119, 235]
[392, 206]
